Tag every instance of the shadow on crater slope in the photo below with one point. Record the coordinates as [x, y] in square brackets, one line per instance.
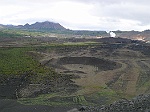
[101, 64]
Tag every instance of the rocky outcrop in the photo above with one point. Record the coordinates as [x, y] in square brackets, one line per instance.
[140, 103]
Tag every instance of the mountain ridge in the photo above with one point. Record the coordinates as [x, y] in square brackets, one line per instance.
[46, 25]
[43, 26]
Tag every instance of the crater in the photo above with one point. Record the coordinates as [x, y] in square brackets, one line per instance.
[82, 65]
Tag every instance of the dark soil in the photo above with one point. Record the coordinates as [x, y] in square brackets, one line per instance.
[14, 106]
[15, 87]
[102, 64]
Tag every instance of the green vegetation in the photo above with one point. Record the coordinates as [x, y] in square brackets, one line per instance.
[9, 33]
[38, 100]
[70, 45]
[18, 33]
[109, 94]
[80, 43]
[16, 61]
[144, 80]
[13, 33]
[53, 99]
[80, 100]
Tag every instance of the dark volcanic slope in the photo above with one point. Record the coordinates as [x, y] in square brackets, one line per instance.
[100, 63]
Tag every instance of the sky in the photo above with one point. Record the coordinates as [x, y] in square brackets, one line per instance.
[106, 15]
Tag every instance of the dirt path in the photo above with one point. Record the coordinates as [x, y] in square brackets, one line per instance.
[124, 79]
[97, 82]
[132, 78]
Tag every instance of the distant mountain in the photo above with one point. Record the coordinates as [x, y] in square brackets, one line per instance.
[57, 28]
[39, 26]
[42, 26]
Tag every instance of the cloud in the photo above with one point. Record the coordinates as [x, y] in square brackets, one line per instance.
[79, 14]
[124, 9]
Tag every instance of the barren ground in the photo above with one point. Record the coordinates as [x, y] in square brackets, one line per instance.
[121, 77]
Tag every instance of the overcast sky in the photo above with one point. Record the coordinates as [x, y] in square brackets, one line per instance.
[105, 15]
